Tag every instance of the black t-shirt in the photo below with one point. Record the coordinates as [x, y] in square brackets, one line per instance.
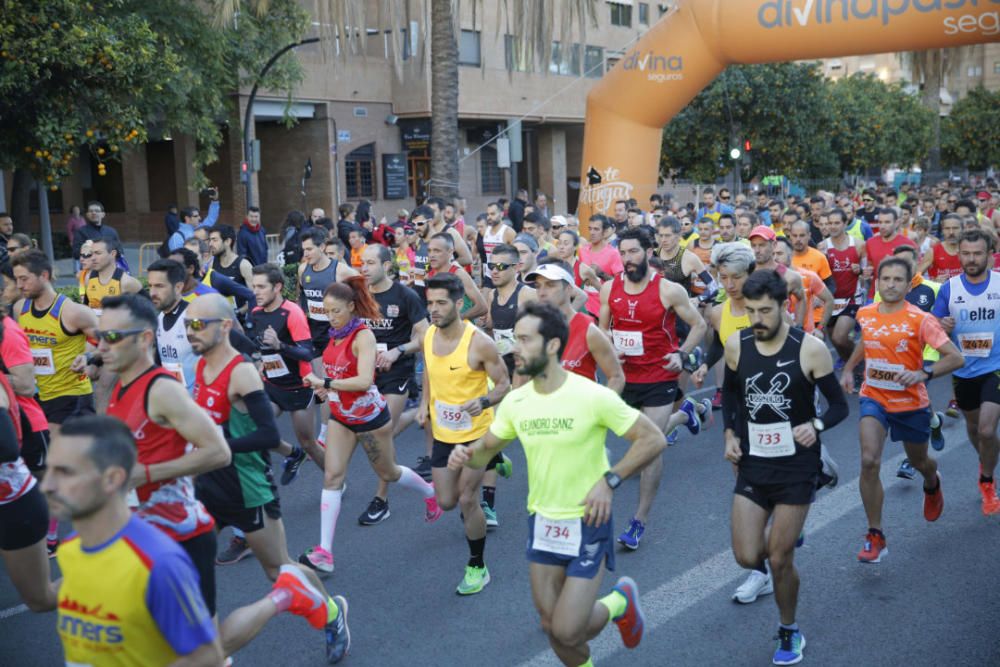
[401, 309]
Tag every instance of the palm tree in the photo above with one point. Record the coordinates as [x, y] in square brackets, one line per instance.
[535, 21]
[932, 68]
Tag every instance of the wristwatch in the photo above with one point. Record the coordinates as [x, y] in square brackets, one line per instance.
[818, 424]
[484, 402]
[613, 480]
[327, 382]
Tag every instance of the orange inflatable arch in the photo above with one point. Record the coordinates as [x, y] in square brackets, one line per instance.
[694, 42]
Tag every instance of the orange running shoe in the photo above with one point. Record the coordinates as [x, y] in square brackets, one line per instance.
[934, 502]
[874, 550]
[991, 504]
[311, 604]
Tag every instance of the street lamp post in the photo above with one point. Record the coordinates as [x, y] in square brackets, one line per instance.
[247, 149]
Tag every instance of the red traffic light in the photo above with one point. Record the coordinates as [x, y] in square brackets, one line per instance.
[746, 145]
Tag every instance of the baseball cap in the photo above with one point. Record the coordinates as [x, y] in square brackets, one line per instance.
[984, 195]
[551, 272]
[558, 220]
[528, 240]
[763, 232]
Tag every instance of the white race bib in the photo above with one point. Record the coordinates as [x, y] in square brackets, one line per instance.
[882, 375]
[381, 347]
[557, 536]
[628, 343]
[505, 340]
[316, 311]
[452, 417]
[771, 440]
[274, 365]
[44, 363]
[972, 344]
[175, 369]
[839, 305]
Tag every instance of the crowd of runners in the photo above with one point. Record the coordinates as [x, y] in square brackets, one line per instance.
[138, 417]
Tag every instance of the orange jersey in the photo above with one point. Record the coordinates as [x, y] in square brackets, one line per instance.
[815, 261]
[813, 287]
[894, 342]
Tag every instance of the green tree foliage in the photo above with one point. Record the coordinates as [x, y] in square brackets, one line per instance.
[971, 133]
[781, 108]
[876, 125]
[103, 74]
[799, 124]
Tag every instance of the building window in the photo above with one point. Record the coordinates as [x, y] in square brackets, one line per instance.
[468, 48]
[593, 62]
[621, 13]
[492, 181]
[996, 68]
[975, 71]
[515, 58]
[563, 62]
[644, 13]
[359, 172]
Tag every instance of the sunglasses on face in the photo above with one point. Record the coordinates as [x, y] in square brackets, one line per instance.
[86, 255]
[724, 198]
[868, 200]
[113, 336]
[196, 324]
[498, 266]
[419, 224]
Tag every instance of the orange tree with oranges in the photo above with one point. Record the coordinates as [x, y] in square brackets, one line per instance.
[102, 75]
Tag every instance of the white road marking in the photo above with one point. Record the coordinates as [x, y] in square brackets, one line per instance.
[684, 591]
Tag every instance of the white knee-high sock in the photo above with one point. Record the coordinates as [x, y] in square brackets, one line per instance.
[329, 510]
[412, 480]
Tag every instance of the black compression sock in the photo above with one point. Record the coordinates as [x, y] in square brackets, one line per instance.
[476, 549]
[983, 479]
[490, 495]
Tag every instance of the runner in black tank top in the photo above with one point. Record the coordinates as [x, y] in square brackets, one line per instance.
[776, 394]
[503, 315]
[674, 272]
[772, 435]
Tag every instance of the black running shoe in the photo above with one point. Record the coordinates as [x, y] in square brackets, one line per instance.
[291, 466]
[423, 468]
[377, 512]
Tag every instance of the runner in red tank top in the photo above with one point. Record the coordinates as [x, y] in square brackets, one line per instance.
[943, 262]
[24, 515]
[163, 419]
[242, 494]
[639, 309]
[588, 347]
[846, 256]
[358, 412]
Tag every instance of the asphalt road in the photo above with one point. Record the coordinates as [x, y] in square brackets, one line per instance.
[932, 601]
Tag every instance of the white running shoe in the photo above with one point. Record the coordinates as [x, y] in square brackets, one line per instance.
[756, 584]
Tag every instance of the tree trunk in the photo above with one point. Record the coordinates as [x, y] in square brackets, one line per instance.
[444, 101]
[20, 200]
[932, 69]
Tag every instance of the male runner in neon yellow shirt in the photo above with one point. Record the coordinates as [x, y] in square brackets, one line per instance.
[562, 421]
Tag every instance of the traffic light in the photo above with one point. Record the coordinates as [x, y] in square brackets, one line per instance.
[244, 171]
[746, 146]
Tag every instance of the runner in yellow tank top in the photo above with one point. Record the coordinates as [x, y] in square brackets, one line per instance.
[57, 330]
[105, 278]
[734, 262]
[458, 362]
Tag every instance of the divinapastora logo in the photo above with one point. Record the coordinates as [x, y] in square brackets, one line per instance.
[802, 13]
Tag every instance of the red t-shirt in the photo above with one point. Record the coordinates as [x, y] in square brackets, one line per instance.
[15, 351]
[878, 249]
[577, 357]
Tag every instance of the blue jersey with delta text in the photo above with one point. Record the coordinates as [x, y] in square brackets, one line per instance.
[976, 310]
